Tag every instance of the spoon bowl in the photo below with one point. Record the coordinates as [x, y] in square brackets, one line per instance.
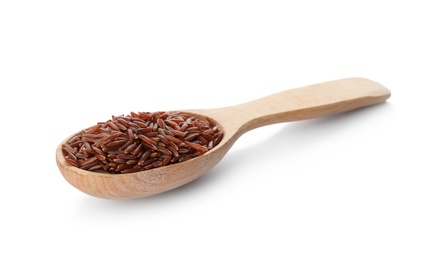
[291, 105]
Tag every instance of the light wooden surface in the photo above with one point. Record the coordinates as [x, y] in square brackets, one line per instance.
[295, 104]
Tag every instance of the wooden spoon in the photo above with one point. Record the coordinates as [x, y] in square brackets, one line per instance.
[291, 105]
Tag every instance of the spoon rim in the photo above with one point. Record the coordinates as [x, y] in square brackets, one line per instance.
[61, 156]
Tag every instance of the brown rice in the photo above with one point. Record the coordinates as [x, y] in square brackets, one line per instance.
[141, 141]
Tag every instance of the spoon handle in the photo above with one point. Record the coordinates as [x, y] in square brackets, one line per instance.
[304, 103]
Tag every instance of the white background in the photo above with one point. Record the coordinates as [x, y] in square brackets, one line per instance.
[360, 185]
